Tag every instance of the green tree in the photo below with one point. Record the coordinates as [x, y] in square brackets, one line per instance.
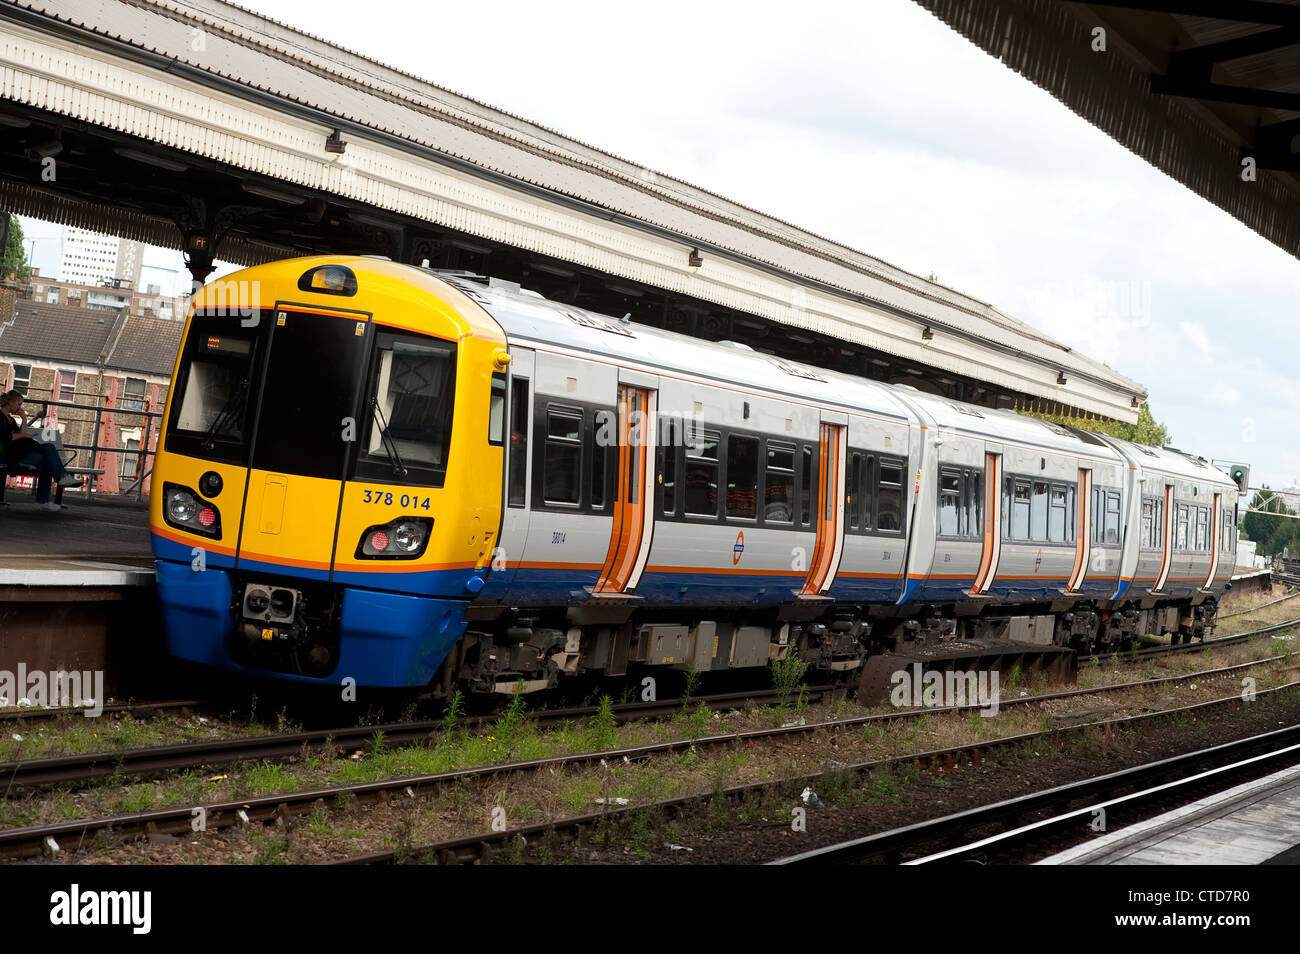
[15, 258]
[1146, 431]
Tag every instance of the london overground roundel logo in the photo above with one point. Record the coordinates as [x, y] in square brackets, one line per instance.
[739, 548]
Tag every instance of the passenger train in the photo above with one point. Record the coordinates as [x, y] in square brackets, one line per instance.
[377, 472]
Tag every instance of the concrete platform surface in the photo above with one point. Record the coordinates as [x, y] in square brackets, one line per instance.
[94, 541]
[1253, 823]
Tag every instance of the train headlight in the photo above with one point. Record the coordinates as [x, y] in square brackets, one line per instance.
[186, 510]
[402, 539]
[182, 507]
[409, 537]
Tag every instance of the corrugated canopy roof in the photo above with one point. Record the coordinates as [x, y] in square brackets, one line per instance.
[279, 65]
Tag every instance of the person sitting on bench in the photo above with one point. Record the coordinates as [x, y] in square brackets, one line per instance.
[20, 450]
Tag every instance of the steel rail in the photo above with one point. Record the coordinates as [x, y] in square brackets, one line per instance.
[1156, 780]
[22, 774]
[121, 708]
[485, 845]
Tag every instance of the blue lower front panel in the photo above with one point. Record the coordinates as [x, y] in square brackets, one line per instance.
[386, 640]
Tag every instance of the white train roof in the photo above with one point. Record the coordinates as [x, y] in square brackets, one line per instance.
[1173, 462]
[528, 319]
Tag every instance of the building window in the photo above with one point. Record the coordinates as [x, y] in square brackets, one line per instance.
[128, 462]
[22, 377]
[67, 385]
[133, 394]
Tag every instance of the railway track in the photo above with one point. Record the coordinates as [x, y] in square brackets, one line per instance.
[1165, 649]
[486, 846]
[143, 710]
[73, 835]
[22, 774]
[1126, 796]
[1256, 609]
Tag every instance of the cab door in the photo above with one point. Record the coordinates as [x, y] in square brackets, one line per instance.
[303, 439]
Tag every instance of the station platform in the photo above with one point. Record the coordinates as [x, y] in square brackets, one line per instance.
[1254, 823]
[76, 586]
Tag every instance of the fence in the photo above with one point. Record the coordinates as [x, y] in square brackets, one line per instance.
[143, 454]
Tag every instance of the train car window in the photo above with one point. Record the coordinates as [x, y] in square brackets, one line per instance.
[1203, 530]
[778, 490]
[1020, 510]
[852, 493]
[742, 477]
[562, 457]
[806, 490]
[497, 410]
[598, 438]
[700, 475]
[889, 497]
[1148, 523]
[975, 503]
[1158, 524]
[1180, 537]
[409, 405]
[1008, 483]
[1038, 512]
[1057, 521]
[669, 434]
[865, 488]
[949, 502]
[517, 480]
[1071, 515]
[1112, 516]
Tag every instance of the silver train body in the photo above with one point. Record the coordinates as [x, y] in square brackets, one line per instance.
[683, 503]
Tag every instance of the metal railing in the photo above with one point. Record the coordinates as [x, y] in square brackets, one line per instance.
[141, 454]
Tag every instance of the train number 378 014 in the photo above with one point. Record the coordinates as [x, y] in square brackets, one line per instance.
[406, 501]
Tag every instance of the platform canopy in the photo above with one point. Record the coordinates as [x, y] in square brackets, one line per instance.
[198, 124]
[1208, 91]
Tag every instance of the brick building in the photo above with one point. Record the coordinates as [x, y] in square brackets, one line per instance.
[86, 358]
[112, 295]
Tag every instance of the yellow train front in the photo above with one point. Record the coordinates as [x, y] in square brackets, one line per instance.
[327, 488]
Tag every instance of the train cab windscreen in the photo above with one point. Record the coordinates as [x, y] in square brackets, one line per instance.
[211, 415]
[407, 410]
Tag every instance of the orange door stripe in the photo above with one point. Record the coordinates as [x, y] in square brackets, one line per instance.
[630, 501]
[991, 525]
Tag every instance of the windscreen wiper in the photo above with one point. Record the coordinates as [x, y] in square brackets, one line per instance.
[390, 445]
[232, 408]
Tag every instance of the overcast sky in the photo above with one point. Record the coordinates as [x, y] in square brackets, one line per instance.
[877, 126]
